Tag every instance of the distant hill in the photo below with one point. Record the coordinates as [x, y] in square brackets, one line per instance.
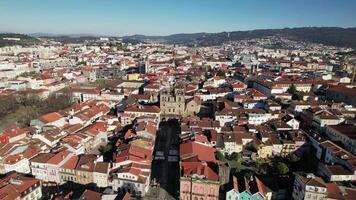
[71, 39]
[10, 39]
[341, 37]
[65, 39]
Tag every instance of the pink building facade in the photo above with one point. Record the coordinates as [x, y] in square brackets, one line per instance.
[198, 189]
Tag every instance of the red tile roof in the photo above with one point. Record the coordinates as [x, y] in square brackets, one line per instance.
[71, 163]
[55, 160]
[134, 152]
[194, 149]
[342, 90]
[13, 191]
[351, 194]
[50, 117]
[144, 109]
[90, 195]
[191, 168]
[334, 191]
[13, 132]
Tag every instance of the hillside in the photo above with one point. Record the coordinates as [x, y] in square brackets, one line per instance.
[24, 40]
[341, 37]
[71, 39]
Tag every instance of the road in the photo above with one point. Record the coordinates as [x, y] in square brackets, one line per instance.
[165, 173]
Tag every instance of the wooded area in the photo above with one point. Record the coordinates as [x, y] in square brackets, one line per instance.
[20, 109]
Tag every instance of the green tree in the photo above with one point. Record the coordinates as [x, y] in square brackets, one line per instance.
[292, 90]
[221, 74]
[235, 156]
[296, 95]
[293, 158]
[176, 63]
[281, 168]
[189, 78]
[82, 63]
[220, 156]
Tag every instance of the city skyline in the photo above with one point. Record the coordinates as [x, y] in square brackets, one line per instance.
[168, 99]
[114, 18]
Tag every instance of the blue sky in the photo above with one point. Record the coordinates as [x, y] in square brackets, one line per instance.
[162, 17]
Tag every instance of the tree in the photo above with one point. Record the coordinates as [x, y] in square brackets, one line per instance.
[82, 63]
[235, 156]
[293, 158]
[176, 63]
[296, 95]
[7, 105]
[29, 99]
[189, 78]
[219, 156]
[21, 108]
[292, 90]
[281, 168]
[24, 115]
[103, 149]
[221, 74]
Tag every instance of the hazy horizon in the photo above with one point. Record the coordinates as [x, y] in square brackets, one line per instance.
[113, 35]
[160, 18]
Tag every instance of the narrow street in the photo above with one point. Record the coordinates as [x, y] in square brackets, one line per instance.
[165, 166]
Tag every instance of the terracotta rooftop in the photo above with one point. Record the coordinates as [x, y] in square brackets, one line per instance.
[55, 160]
[50, 117]
[90, 195]
[42, 157]
[348, 130]
[202, 152]
[191, 168]
[101, 167]
[342, 90]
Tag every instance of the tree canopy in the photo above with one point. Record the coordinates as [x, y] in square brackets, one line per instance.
[221, 74]
[20, 109]
[281, 168]
[296, 95]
